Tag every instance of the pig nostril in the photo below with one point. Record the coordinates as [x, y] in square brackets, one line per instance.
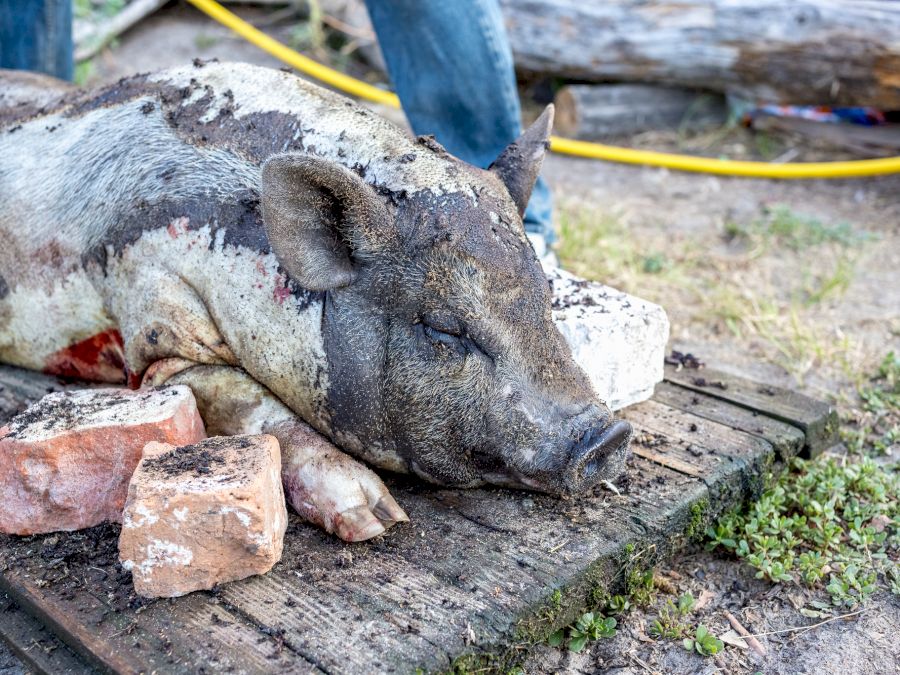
[597, 445]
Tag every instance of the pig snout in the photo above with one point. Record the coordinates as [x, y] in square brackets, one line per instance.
[587, 449]
[599, 454]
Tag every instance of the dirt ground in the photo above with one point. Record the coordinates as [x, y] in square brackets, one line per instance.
[793, 283]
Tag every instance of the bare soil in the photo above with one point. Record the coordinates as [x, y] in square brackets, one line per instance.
[687, 221]
[863, 643]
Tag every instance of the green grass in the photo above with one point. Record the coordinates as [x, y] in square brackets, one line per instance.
[97, 9]
[781, 226]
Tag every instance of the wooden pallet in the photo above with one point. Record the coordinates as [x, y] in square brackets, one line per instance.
[475, 578]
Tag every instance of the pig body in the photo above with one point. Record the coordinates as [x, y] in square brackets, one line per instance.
[296, 260]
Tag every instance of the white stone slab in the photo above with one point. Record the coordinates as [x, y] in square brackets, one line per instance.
[619, 340]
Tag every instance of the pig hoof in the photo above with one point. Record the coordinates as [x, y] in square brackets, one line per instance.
[358, 524]
[361, 522]
[342, 496]
[388, 511]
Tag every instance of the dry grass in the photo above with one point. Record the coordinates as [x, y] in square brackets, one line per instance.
[774, 284]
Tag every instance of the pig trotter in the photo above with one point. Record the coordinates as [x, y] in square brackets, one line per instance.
[332, 490]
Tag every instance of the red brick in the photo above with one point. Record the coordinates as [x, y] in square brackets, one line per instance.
[203, 514]
[65, 462]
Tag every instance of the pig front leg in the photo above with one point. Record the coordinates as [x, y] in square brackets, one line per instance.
[324, 485]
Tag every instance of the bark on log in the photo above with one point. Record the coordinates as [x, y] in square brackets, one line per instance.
[90, 39]
[589, 112]
[843, 52]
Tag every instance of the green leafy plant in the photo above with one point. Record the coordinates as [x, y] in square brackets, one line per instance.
[669, 623]
[821, 517]
[640, 586]
[589, 627]
[830, 522]
[703, 642]
[618, 604]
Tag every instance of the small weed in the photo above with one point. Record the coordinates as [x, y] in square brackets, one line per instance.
[639, 584]
[704, 642]
[825, 518]
[556, 599]
[589, 627]
[654, 264]
[874, 427]
[834, 282]
[669, 623]
[618, 604]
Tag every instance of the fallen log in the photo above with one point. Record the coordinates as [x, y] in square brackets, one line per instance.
[91, 38]
[803, 52]
[588, 112]
[883, 141]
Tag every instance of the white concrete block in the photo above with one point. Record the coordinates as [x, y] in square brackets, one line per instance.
[619, 340]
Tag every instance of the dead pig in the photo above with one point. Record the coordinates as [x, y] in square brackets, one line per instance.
[298, 262]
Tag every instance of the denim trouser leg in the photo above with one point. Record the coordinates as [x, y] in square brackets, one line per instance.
[452, 67]
[37, 35]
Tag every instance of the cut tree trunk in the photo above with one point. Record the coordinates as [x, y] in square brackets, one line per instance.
[591, 111]
[91, 38]
[804, 51]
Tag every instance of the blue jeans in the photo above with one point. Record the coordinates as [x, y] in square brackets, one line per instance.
[36, 35]
[452, 67]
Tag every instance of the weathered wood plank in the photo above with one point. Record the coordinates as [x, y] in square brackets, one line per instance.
[473, 573]
[787, 440]
[36, 646]
[817, 419]
[81, 594]
[730, 462]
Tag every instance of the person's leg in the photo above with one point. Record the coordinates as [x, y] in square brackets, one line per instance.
[37, 35]
[452, 67]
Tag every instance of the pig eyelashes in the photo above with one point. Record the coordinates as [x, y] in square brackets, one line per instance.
[457, 341]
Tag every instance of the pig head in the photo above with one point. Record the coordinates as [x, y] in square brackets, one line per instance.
[442, 353]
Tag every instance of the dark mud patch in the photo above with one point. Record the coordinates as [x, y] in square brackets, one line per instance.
[205, 458]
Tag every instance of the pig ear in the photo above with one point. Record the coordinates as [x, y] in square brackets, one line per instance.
[316, 213]
[519, 164]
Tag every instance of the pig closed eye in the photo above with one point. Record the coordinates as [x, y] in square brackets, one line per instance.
[452, 339]
[441, 336]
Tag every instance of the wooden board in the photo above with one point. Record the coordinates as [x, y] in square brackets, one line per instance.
[817, 420]
[35, 645]
[471, 579]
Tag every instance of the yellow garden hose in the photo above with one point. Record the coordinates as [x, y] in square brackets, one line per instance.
[727, 167]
